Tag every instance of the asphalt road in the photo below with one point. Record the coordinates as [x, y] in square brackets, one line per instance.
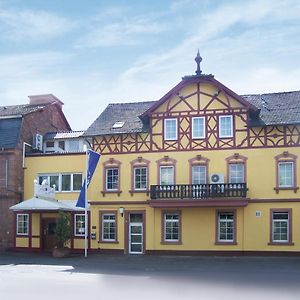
[37, 276]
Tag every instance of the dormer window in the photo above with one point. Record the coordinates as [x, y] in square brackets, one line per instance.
[118, 124]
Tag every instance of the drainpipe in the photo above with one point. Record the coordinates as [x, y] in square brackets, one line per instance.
[24, 146]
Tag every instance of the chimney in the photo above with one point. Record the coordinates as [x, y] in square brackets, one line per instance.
[45, 99]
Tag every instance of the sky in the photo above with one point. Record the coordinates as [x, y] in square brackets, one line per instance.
[91, 53]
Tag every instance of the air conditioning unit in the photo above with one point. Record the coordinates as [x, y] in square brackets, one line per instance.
[38, 142]
[216, 178]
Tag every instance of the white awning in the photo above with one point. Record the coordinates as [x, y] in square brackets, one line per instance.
[35, 203]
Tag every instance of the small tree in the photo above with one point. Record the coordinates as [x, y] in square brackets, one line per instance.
[63, 230]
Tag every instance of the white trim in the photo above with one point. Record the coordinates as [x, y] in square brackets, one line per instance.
[140, 189]
[287, 221]
[106, 177]
[226, 221]
[204, 131]
[171, 221]
[176, 131]
[173, 175]
[75, 222]
[231, 128]
[27, 224]
[292, 173]
[108, 221]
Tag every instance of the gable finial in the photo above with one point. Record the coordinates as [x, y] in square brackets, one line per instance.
[198, 60]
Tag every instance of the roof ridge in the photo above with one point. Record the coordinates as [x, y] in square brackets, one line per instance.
[126, 103]
[274, 93]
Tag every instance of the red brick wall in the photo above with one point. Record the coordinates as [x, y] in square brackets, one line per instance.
[48, 119]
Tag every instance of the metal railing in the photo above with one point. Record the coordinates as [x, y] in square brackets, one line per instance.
[198, 191]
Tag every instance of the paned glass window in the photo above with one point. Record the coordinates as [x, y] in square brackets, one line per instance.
[286, 174]
[112, 179]
[22, 224]
[226, 227]
[225, 126]
[198, 174]
[140, 178]
[236, 173]
[79, 225]
[108, 227]
[198, 128]
[171, 227]
[170, 129]
[166, 175]
[280, 227]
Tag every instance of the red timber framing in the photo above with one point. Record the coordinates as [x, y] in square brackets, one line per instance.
[244, 136]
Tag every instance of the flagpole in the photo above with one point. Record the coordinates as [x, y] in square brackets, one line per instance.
[85, 206]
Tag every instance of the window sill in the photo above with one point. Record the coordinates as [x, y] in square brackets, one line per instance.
[111, 192]
[108, 242]
[171, 243]
[139, 192]
[292, 188]
[22, 235]
[218, 243]
[281, 244]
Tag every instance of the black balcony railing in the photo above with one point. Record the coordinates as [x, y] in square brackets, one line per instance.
[198, 191]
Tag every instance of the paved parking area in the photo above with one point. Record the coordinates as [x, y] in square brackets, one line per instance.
[32, 276]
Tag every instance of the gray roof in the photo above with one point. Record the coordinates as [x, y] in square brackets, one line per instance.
[9, 132]
[120, 112]
[63, 135]
[19, 110]
[276, 108]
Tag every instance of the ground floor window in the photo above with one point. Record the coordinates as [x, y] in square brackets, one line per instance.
[171, 224]
[22, 224]
[79, 228]
[226, 227]
[108, 233]
[281, 226]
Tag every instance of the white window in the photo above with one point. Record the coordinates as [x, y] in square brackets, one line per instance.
[198, 174]
[118, 124]
[112, 179]
[52, 179]
[170, 129]
[226, 227]
[166, 175]
[79, 226]
[140, 178]
[286, 174]
[73, 146]
[171, 227]
[198, 128]
[67, 182]
[108, 227]
[22, 224]
[236, 173]
[280, 227]
[225, 126]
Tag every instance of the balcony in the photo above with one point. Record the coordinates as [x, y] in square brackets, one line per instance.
[198, 191]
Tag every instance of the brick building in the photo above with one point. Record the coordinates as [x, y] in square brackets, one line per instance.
[20, 128]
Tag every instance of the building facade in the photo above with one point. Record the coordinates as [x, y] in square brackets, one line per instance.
[202, 170]
[21, 130]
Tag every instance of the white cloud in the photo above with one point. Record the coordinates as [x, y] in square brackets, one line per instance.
[20, 25]
[129, 31]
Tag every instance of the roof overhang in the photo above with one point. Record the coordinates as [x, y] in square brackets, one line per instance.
[39, 204]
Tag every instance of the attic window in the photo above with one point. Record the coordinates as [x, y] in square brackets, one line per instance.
[118, 124]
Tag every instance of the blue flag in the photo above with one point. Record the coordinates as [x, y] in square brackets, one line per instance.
[93, 158]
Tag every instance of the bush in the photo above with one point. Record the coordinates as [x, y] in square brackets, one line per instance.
[63, 230]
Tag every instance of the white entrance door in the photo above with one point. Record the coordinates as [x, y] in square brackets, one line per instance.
[135, 238]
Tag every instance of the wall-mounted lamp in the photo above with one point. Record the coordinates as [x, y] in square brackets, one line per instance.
[121, 211]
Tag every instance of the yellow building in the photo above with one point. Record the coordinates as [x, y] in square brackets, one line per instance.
[202, 170]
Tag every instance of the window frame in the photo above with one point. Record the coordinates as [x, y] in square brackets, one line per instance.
[233, 241]
[106, 179]
[101, 227]
[27, 224]
[111, 164]
[231, 126]
[289, 241]
[164, 227]
[166, 161]
[194, 137]
[60, 175]
[286, 157]
[230, 172]
[135, 164]
[75, 225]
[134, 177]
[175, 138]
[169, 168]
